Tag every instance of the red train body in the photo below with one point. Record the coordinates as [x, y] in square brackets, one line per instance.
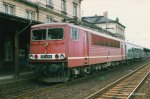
[63, 48]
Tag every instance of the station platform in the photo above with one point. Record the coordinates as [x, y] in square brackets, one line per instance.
[7, 74]
[11, 78]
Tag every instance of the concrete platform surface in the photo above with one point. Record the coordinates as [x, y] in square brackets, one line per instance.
[14, 79]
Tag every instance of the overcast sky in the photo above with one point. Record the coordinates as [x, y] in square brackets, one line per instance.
[134, 14]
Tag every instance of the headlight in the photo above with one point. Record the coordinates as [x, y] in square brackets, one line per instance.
[30, 56]
[62, 56]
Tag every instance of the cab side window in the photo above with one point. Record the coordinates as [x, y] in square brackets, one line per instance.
[74, 34]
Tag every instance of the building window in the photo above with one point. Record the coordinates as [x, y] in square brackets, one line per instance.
[9, 9]
[49, 3]
[116, 29]
[74, 34]
[49, 19]
[8, 54]
[63, 6]
[74, 10]
[75, 1]
[30, 14]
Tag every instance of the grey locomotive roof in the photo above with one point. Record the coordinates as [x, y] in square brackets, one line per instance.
[129, 43]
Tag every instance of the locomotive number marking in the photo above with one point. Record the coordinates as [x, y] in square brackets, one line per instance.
[46, 56]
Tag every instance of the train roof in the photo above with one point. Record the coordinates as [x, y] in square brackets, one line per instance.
[146, 49]
[133, 44]
[80, 27]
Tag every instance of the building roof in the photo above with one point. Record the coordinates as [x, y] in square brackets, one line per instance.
[100, 20]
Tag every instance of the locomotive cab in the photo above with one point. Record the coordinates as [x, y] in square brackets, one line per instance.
[47, 52]
[47, 44]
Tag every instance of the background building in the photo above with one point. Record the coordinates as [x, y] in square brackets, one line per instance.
[42, 10]
[16, 18]
[113, 26]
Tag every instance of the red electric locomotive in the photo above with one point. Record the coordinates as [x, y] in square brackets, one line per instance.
[59, 51]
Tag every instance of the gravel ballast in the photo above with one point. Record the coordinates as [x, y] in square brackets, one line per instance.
[83, 88]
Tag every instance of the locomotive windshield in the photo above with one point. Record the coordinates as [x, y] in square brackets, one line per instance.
[39, 34]
[55, 33]
[48, 34]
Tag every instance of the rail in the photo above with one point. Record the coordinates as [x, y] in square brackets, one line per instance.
[120, 88]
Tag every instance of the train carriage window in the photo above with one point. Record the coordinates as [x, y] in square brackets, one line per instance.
[102, 40]
[111, 43]
[55, 33]
[39, 34]
[114, 43]
[118, 44]
[74, 34]
[107, 42]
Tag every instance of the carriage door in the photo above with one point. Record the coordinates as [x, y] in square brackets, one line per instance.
[86, 47]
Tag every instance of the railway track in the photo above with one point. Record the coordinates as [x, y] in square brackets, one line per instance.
[31, 90]
[48, 89]
[27, 92]
[125, 87]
